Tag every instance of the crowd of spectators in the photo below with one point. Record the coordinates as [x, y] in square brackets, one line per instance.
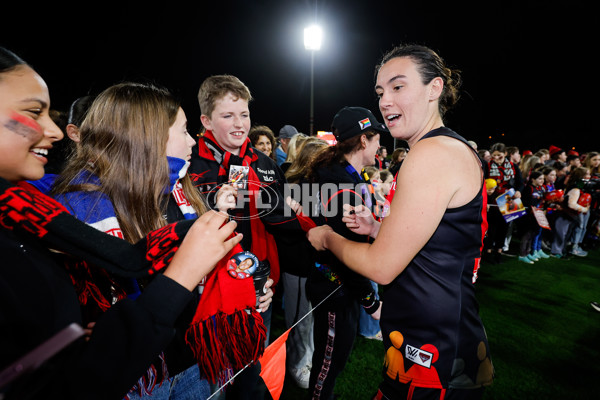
[540, 204]
[558, 191]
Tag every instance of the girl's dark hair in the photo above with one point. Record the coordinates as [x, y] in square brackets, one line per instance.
[577, 175]
[511, 150]
[547, 170]
[430, 66]
[535, 174]
[501, 147]
[79, 109]
[335, 154]
[9, 60]
[262, 130]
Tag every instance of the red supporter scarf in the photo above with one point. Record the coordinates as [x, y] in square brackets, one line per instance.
[29, 212]
[502, 173]
[226, 332]
[263, 243]
[227, 305]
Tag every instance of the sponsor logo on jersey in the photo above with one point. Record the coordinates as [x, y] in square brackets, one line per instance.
[418, 356]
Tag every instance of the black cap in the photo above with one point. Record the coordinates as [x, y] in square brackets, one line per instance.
[352, 121]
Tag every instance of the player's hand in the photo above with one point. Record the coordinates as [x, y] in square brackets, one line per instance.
[317, 236]
[360, 220]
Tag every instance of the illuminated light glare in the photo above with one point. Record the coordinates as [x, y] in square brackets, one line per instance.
[313, 36]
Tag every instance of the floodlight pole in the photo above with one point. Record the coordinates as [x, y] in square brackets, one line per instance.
[311, 129]
[312, 42]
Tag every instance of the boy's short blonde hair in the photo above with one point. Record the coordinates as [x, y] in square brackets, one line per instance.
[216, 87]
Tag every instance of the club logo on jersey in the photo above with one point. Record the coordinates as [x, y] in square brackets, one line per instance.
[419, 356]
[365, 123]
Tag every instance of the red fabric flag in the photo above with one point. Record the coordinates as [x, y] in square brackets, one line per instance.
[273, 365]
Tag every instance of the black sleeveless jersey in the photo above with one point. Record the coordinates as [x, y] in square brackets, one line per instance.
[430, 321]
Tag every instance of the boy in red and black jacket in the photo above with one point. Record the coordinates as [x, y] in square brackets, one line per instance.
[225, 167]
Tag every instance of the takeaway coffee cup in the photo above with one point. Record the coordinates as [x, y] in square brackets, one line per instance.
[261, 275]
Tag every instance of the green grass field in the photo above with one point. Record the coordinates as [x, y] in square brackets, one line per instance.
[544, 336]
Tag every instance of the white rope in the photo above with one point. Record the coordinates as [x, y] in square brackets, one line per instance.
[292, 327]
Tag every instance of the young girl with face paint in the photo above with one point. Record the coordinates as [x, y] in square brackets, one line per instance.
[38, 238]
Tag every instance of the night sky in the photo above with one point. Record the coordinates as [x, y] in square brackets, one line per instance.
[528, 67]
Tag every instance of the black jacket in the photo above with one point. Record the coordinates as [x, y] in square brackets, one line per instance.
[274, 213]
[296, 254]
[38, 299]
[339, 187]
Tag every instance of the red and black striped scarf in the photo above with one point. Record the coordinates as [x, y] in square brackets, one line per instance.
[263, 243]
[501, 173]
[29, 212]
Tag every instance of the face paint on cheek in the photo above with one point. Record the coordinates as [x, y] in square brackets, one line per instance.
[24, 126]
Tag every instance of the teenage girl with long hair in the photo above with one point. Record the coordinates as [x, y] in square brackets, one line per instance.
[129, 177]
